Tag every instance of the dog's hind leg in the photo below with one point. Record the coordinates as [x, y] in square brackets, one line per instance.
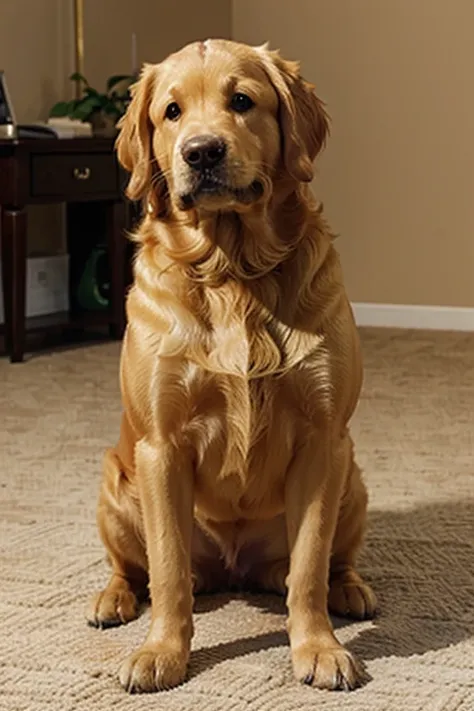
[349, 595]
[120, 528]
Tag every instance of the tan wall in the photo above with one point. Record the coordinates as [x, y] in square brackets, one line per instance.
[36, 51]
[398, 176]
[162, 26]
[32, 55]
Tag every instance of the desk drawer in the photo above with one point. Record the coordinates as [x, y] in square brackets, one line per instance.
[73, 175]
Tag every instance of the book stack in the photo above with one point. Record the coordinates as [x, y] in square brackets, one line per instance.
[70, 128]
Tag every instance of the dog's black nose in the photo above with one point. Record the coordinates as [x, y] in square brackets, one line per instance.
[201, 152]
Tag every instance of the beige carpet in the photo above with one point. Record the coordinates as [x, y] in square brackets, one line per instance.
[415, 435]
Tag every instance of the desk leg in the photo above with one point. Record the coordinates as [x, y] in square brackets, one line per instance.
[14, 229]
[116, 247]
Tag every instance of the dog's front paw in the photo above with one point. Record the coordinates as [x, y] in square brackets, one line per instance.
[153, 668]
[327, 668]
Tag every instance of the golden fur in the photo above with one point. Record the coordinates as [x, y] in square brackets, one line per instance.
[240, 369]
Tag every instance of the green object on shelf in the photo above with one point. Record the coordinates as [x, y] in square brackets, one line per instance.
[94, 285]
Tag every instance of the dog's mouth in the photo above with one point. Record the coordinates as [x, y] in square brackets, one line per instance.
[210, 186]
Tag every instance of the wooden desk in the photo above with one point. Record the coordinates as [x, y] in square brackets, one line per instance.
[73, 171]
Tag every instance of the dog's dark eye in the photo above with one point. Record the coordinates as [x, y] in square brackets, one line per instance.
[241, 103]
[173, 111]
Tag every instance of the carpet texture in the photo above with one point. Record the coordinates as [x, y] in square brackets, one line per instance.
[414, 431]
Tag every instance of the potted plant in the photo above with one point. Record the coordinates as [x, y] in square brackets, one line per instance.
[101, 110]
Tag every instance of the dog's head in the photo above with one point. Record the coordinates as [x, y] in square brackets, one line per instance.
[214, 125]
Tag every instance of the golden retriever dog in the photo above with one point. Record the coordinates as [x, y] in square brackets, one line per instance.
[240, 369]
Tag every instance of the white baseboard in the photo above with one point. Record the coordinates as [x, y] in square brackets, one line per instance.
[439, 318]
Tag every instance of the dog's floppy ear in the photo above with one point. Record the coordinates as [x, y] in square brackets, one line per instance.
[134, 142]
[304, 122]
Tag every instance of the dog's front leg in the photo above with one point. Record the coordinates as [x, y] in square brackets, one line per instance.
[165, 482]
[312, 496]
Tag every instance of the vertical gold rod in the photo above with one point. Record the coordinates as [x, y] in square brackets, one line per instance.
[79, 41]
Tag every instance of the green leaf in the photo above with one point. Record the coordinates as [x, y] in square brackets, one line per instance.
[103, 100]
[60, 109]
[77, 76]
[117, 78]
[85, 108]
[89, 91]
[118, 109]
[112, 111]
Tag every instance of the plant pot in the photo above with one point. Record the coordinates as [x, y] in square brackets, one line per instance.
[103, 124]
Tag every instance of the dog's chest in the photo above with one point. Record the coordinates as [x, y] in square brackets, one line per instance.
[244, 445]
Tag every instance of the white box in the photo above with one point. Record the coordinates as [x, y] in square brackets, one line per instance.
[47, 286]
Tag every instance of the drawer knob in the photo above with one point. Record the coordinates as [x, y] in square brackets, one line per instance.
[82, 173]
